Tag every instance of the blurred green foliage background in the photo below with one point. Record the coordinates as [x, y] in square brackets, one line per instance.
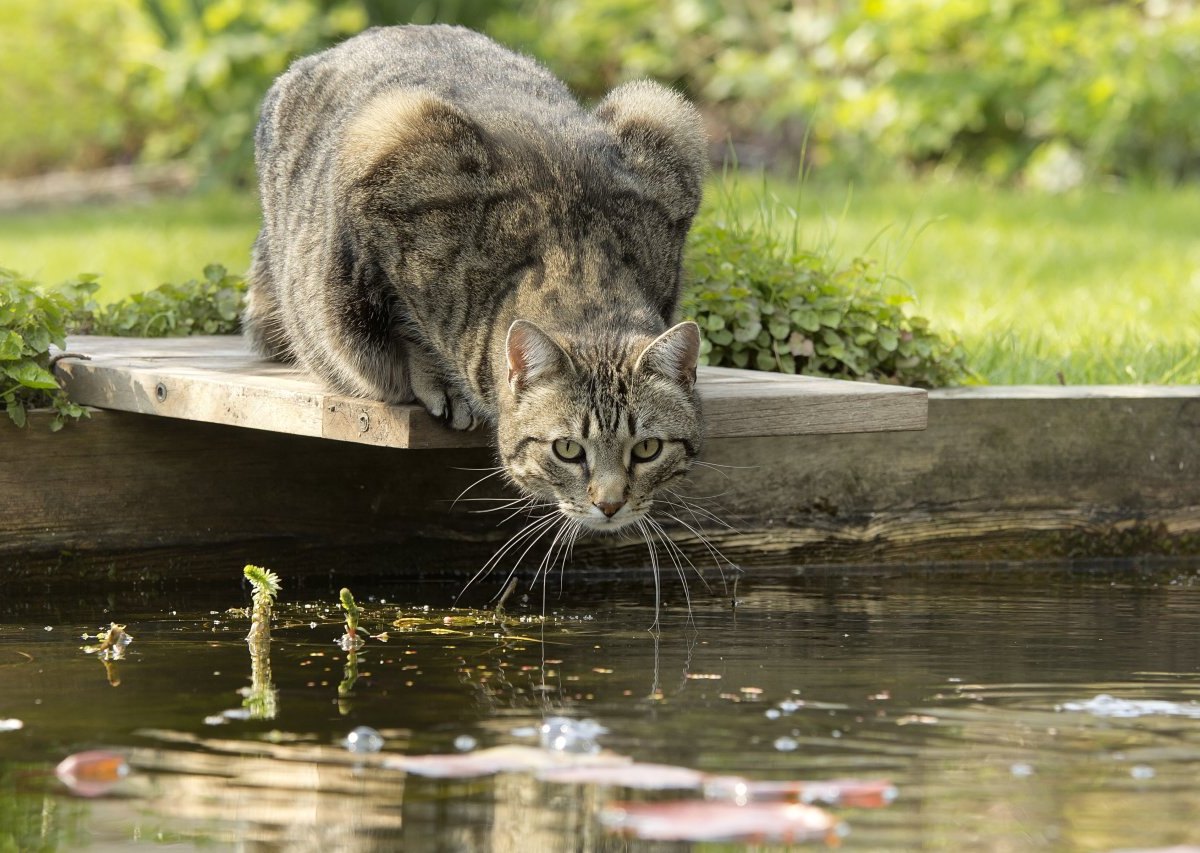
[1025, 171]
[1050, 93]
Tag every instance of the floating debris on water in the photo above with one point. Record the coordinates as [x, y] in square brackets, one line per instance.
[786, 744]
[227, 715]
[704, 820]
[917, 720]
[363, 739]
[92, 773]
[1104, 705]
[512, 758]
[647, 777]
[1021, 770]
[11, 725]
[113, 643]
[1142, 772]
[465, 743]
[853, 793]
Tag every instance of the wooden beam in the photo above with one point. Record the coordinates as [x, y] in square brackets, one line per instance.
[218, 380]
[1000, 474]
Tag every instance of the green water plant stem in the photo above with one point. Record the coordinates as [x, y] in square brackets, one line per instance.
[261, 698]
[266, 586]
[351, 641]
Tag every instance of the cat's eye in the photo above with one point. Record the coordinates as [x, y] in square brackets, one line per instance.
[568, 450]
[646, 450]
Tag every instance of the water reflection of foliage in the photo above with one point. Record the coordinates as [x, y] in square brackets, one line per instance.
[261, 697]
[32, 819]
[346, 686]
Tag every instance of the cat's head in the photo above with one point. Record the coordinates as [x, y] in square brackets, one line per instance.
[600, 429]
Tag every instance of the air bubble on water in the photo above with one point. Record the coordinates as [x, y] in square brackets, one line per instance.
[772, 713]
[11, 725]
[563, 734]
[1021, 770]
[788, 706]
[363, 739]
[1141, 771]
[48, 628]
[786, 744]
[465, 743]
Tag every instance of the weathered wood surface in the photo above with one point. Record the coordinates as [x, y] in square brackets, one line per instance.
[218, 380]
[1000, 474]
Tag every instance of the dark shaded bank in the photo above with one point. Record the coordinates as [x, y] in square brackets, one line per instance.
[1001, 474]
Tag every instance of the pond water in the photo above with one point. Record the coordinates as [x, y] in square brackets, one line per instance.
[1005, 709]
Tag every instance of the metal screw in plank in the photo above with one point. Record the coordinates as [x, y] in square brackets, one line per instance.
[160, 392]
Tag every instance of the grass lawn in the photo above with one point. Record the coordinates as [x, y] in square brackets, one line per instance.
[1096, 286]
[1099, 286]
[133, 246]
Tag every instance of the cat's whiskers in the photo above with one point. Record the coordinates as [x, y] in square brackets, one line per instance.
[684, 503]
[548, 558]
[536, 528]
[682, 496]
[672, 548]
[641, 525]
[499, 469]
[713, 550]
[720, 468]
[677, 554]
[524, 508]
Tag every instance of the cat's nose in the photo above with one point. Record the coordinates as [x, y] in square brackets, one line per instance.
[609, 508]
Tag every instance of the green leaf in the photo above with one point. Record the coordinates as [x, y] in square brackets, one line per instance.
[16, 411]
[38, 339]
[11, 346]
[31, 375]
[806, 319]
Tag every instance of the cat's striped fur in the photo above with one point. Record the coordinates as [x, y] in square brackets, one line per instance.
[442, 222]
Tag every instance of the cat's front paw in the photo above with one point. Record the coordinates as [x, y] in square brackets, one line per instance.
[444, 401]
[459, 413]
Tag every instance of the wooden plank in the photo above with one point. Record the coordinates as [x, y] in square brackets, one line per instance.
[218, 380]
[1001, 474]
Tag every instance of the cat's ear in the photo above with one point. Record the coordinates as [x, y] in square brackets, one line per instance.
[532, 355]
[664, 142]
[673, 354]
[418, 144]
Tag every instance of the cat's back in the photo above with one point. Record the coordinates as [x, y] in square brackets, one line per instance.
[496, 86]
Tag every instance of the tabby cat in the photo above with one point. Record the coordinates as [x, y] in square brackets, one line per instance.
[442, 222]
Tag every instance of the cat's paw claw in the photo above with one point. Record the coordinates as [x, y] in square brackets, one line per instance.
[460, 414]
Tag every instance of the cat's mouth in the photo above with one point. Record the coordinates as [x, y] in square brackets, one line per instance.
[596, 520]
